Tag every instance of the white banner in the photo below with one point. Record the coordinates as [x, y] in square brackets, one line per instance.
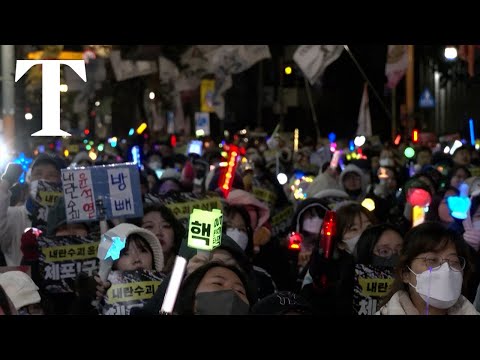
[397, 64]
[314, 59]
[127, 69]
[364, 118]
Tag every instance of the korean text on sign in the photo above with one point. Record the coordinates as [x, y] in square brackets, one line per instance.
[120, 187]
[79, 195]
[205, 229]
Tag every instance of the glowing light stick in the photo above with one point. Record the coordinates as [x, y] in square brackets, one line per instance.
[419, 199]
[459, 205]
[204, 233]
[173, 286]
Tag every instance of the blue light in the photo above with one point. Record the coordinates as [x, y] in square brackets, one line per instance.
[131, 132]
[25, 163]
[332, 137]
[135, 151]
[117, 245]
[459, 205]
[351, 145]
[472, 132]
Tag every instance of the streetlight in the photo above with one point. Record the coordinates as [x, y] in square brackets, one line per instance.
[450, 53]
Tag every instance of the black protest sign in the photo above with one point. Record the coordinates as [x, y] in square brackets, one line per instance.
[371, 284]
[62, 258]
[130, 289]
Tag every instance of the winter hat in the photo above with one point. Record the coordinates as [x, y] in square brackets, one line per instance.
[352, 168]
[20, 288]
[124, 230]
[244, 198]
[281, 303]
[47, 158]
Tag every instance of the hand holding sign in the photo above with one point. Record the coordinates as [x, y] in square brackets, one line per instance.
[109, 251]
[459, 205]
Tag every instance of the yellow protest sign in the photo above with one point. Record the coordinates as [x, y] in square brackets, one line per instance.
[70, 252]
[132, 291]
[205, 229]
[375, 287]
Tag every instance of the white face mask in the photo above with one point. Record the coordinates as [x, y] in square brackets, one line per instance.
[440, 288]
[350, 243]
[312, 225]
[33, 189]
[476, 225]
[240, 237]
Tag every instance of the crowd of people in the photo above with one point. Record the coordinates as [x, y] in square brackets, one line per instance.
[278, 254]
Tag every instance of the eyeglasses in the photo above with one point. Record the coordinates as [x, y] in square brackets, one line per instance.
[385, 252]
[455, 263]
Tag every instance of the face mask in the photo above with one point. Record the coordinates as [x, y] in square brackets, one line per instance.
[240, 237]
[222, 302]
[33, 189]
[312, 225]
[350, 243]
[476, 225]
[440, 288]
[389, 262]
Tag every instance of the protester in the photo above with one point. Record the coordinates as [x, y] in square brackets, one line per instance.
[431, 276]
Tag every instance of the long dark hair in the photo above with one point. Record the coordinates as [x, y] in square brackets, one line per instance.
[346, 215]
[429, 236]
[169, 217]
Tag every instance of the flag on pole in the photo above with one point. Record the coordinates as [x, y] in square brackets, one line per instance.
[364, 119]
[397, 64]
[314, 59]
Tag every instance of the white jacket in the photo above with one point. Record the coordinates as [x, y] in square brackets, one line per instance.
[13, 222]
[400, 304]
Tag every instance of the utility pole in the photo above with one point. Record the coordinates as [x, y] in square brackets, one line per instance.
[7, 127]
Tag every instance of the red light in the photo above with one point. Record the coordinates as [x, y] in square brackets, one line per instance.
[86, 131]
[418, 197]
[173, 141]
[294, 241]
[397, 139]
[329, 229]
[415, 136]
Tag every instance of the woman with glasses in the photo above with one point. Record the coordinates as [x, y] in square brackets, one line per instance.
[380, 245]
[432, 274]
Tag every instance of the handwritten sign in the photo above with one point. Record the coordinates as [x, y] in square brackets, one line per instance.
[116, 186]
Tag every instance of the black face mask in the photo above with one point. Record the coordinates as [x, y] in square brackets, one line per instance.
[222, 302]
[389, 262]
